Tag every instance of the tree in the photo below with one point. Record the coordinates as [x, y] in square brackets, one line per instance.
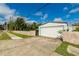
[20, 24]
[11, 25]
[34, 26]
[77, 26]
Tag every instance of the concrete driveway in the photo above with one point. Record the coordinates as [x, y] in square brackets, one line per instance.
[34, 46]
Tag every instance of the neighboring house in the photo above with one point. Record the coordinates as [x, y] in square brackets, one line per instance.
[75, 26]
[53, 30]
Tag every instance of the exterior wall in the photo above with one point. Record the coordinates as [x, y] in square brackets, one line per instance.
[50, 31]
[55, 24]
[74, 27]
[26, 32]
[70, 28]
[71, 37]
[65, 27]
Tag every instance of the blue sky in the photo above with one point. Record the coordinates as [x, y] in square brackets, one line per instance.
[32, 12]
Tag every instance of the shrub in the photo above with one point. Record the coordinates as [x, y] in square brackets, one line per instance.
[77, 29]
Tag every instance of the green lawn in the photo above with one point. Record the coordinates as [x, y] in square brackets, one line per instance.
[4, 36]
[62, 49]
[73, 44]
[20, 35]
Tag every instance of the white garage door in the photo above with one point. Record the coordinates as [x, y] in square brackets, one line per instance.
[50, 31]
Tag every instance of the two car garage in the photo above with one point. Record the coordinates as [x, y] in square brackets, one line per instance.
[52, 29]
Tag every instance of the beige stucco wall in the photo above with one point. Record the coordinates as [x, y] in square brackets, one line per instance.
[71, 37]
[26, 32]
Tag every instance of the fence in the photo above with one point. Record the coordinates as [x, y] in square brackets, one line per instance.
[71, 37]
[26, 32]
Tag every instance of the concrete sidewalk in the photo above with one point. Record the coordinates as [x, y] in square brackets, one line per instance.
[73, 50]
[13, 36]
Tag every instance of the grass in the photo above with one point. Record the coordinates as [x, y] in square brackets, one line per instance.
[20, 35]
[4, 36]
[72, 44]
[62, 49]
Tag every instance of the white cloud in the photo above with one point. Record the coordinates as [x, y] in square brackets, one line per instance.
[38, 14]
[45, 16]
[2, 22]
[8, 17]
[11, 14]
[30, 21]
[58, 20]
[76, 20]
[5, 10]
[67, 16]
[74, 10]
[11, 17]
[65, 8]
[26, 18]
[1, 18]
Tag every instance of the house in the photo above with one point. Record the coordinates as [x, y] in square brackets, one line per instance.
[53, 30]
[75, 27]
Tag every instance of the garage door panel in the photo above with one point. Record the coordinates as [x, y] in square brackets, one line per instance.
[50, 32]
